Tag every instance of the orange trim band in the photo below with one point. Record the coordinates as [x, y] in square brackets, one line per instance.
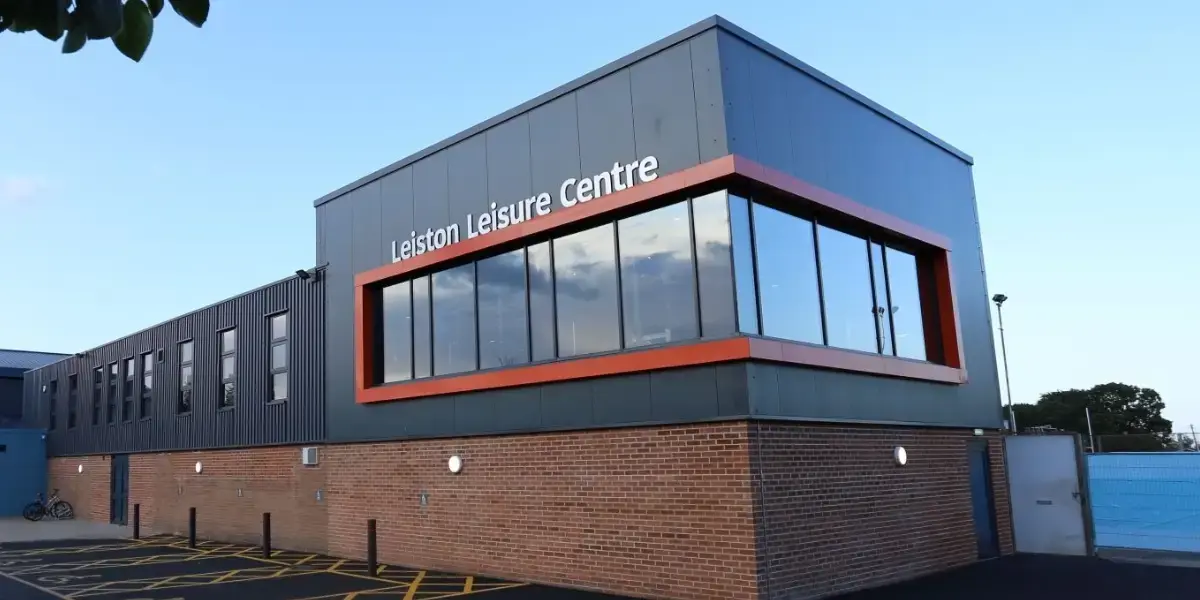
[732, 169]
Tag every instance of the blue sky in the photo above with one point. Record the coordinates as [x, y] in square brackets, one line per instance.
[130, 193]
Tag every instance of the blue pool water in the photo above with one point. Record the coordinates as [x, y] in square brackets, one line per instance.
[1146, 500]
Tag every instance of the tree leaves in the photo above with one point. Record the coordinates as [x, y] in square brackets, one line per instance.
[195, 11]
[134, 37]
[130, 23]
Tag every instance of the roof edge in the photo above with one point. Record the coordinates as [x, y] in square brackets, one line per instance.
[713, 22]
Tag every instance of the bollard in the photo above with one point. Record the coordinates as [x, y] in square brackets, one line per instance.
[137, 521]
[266, 541]
[372, 567]
[192, 527]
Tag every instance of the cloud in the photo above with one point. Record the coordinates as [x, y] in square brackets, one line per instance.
[16, 190]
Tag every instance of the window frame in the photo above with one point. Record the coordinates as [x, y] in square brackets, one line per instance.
[52, 395]
[97, 394]
[146, 391]
[72, 400]
[113, 394]
[190, 389]
[129, 370]
[223, 401]
[272, 343]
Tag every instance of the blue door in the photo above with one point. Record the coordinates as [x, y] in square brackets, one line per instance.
[22, 469]
[119, 490]
[983, 506]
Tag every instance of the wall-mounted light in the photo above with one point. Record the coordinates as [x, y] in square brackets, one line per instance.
[199, 467]
[900, 455]
[455, 463]
[80, 467]
[303, 274]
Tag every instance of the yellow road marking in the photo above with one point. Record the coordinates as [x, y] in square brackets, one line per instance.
[34, 586]
[305, 559]
[337, 564]
[468, 584]
[227, 576]
[412, 587]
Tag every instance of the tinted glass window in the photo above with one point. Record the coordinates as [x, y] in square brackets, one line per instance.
[278, 327]
[541, 302]
[710, 221]
[422, 333]
[503, 322]
[585, 286]
[906, 304]
[397, 333]
[787, 275]
[229, 340]
[279, 387]
[228, 367]
[658, 289]
[279, 357]
[185, 352]
[454, 320]
[883, 320]
[743, 265]
[846, 283]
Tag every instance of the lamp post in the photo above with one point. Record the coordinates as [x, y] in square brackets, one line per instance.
[1012, 417]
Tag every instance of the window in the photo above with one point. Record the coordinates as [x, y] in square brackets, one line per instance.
[541, 302]
[97, 393]
[454, 320]
[72, 401]
[147, 393]
[228, 369]
[743, 265]
[879, 286]
[503, 319]
[658, 283]
[111, 407]
[397, 332]
[422, 329]
[127, 396]
[186, 358]
[714, 269]
[905, 309]
[53, 398]
[585, 292]
[787, 276]
[846, 286]
[279, 357]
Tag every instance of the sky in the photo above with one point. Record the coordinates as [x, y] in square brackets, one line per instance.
[133, 192]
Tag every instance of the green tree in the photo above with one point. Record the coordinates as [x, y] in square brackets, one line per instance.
[1116, 409]
[128, 23]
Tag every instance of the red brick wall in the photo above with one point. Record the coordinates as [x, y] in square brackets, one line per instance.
[269, 479]
[837, 514]
[88, 492]
[657, 513]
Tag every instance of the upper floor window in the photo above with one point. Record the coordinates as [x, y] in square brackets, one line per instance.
[53, 402]
[228, 396]
[111, 407]
[72, 401]
[279, 357]
[186, 360]
[97, 393]
[146, 395]
[127, 396]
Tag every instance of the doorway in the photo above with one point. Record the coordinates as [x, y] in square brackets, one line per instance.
[983, 500]
[119, 490]
[1048, 494]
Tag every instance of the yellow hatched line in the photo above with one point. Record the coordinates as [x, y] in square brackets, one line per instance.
[163, 582]
[227, 576]
[468, 584]
[412, 587]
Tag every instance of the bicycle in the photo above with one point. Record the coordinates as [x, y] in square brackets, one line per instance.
[56, 507]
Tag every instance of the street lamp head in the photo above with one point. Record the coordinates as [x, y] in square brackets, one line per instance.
[999, 299]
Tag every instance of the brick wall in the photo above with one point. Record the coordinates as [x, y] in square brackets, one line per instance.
[658, 513]
[268, 479]
[837, 514]
[88, 492]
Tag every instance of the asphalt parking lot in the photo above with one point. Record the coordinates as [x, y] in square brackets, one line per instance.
[165, 568]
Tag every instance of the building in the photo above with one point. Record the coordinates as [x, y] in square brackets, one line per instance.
[703, 323]
[13, 364]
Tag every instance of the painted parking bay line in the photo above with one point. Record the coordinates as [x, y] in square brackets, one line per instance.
[49, 558]
[285, 587]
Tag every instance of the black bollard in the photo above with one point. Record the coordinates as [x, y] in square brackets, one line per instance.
[137, 521]
[192, 527]
[266, 542]
[372, 567]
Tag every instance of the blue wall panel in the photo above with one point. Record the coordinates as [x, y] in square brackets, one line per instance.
[1146, 500]
[22, 469]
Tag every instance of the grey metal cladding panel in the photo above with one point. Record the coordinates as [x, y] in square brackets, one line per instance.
[841, 145]
[431, 193]
[710, 98]
[396, 214]
[320, 253]
[509, 170]
[682, 395]
[251, 422]
[339, 318]
[605, 123]
[468, 168]
[367, 251]
[554, 144]
[664, 109]
[803, 393]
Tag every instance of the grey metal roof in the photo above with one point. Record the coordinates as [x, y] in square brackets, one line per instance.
[26, 359]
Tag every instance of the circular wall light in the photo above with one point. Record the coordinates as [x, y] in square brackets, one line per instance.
[901, 455]
[199, 467]
[455, 464]
[80, 467]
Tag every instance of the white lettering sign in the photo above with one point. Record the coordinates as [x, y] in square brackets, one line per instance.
[570, 193]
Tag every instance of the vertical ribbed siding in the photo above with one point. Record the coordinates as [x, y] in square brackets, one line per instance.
[252, 422]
